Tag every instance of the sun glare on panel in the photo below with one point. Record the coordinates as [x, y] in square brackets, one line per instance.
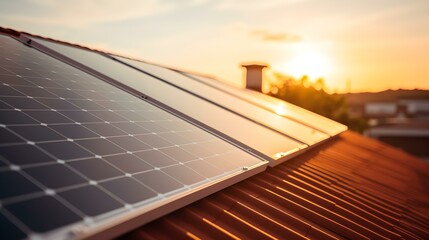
[281, 110]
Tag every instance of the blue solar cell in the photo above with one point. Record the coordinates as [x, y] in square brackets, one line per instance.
[8, 230]
[23, 154]
[128, 190]
[14, 184]
[95, 169]
[159, 181]
[90, 200]
[55, 176]
[34, 215]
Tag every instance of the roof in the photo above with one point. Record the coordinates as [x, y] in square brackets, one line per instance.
[347, 187]
[408, 124]
[410, 128]
[254, 65]
[351, 187]
[386, 96]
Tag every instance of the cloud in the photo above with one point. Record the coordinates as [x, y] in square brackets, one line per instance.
[195, 2]
[261, 33]
[267, 36]
[78, 13]
[247, 5]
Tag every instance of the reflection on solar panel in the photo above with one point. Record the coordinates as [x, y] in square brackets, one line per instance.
[79, 153]
[286, 126]
[271, 143]
[275, 105]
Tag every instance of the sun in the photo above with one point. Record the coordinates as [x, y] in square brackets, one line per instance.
[312, 64]
[309, 61]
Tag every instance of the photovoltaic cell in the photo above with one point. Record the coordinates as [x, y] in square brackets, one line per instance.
[128, 163]
[25, 153]
[272, 143]
[129, 190]
[37, 133]
[33, 213]
[78, 197]
[9, 230]
[76, 150]
[165, 183]
[55, 176]
[8, 137]
[18, 185]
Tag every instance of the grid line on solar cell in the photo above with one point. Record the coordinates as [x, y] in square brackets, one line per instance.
[61, 120]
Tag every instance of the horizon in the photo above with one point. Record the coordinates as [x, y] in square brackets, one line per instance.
[361, 46]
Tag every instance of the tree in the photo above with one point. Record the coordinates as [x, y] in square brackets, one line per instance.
[313, 97]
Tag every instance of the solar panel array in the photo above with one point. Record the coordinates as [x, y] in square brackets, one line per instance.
[75, 150]
[272, 143]
[81, 151]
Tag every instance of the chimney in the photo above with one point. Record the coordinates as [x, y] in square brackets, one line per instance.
[254, 76]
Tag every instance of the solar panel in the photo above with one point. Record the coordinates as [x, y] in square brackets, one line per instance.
[275, 105]
[286, 126]
[264, 140]
[77, 153]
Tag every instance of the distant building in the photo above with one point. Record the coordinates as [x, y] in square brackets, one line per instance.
[411, 136]
[409, 108]
[401, 122]
[415, 108]
[381, 109]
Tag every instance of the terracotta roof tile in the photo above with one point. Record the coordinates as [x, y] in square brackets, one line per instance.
[351, 187]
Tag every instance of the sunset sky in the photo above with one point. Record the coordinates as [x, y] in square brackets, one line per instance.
[373, 44]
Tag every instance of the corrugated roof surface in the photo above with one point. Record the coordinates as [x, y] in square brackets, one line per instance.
[351, 187]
